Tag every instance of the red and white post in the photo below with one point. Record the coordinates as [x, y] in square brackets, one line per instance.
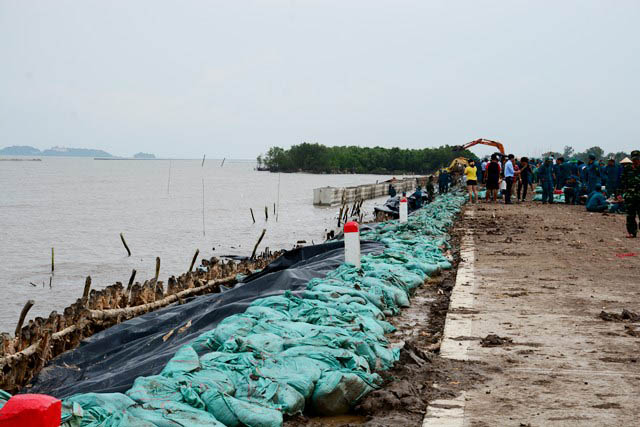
[404, 210]
[352, 243]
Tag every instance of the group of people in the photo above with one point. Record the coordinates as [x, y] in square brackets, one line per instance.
[579, 182]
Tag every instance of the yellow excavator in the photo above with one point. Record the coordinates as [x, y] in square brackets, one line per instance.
[459, 163]
[481, 141]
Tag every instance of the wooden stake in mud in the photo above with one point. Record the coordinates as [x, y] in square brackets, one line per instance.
[340, 216]
[266, 213]
[252, 217]
[131, 279]
[23, 314]
[52, 261]
[155, 279]
[193, 261]
[255, 248]
[87, 288]
[124, 242]
[274, 209]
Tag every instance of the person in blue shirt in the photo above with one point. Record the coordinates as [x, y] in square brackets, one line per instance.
[610, 175]
[417, 195]
[573, 168]
[572, 186]
[561, 171]
[597, 201]
[546, 177]
[593, 175]
[443, 181]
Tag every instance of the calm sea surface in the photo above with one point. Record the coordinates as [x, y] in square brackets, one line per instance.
[79, 206]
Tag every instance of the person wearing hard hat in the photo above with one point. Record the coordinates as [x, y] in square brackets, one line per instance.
[630, 185]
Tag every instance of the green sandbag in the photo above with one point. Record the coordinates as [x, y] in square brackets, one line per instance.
[234, 412]
[336, 392]
[185, 360]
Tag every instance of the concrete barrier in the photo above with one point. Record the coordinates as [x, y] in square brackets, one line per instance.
[332, 196]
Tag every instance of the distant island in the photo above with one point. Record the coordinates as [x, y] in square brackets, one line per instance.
[25, 150]
[144, 156]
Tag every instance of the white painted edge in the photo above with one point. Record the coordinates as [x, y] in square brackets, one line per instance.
[450, 412]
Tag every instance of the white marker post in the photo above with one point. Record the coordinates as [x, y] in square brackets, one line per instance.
[404, 210]
[352, 243]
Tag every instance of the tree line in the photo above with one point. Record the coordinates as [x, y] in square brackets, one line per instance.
[317, 158]
[569, 153]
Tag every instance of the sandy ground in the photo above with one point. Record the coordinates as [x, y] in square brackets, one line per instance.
[543, 274]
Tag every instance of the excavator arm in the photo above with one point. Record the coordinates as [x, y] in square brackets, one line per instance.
[482, 141]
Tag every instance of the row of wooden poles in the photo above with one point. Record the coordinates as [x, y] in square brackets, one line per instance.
[266, 213]
[23, 355]
[354, 212]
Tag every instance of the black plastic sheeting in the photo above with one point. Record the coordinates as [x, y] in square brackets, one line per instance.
[392, 205]
[110, 361]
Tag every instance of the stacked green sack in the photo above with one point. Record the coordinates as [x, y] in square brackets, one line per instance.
[557, 198]
[316, 351]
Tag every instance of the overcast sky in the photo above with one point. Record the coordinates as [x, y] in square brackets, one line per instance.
[232, 78]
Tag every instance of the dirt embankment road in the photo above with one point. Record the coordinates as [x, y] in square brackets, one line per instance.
[542, 275]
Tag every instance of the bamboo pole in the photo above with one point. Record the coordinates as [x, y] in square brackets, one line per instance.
[23, 314]
[266, 213]
[52, 261]
[155, 279]
[124, 242]
[193, 261]
[252, 217]
[144, 308]
[255, 248]
[87, 288]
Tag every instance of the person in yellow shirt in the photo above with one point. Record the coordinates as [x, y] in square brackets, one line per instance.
[471, 172]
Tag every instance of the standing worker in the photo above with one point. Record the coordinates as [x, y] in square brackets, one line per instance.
[509, 175]
[525, 177]
[492, 178]
[593, 175]
[471, 172]
[546, 176]
[443, 181]
[610, 176]
[561, 170]
[630, 186]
